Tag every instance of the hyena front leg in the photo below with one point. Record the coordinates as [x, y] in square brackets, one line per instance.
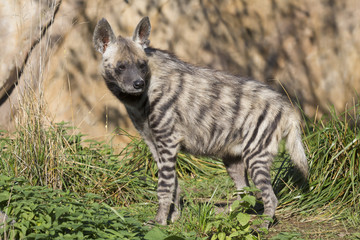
[174, 213]
[259, 169]
[168, 189]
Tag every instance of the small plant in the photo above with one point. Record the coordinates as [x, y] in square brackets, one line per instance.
[37, 212]
[238, 224]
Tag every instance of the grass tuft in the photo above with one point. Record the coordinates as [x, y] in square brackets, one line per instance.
[334, 182]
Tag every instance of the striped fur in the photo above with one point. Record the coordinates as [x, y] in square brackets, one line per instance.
[198, 110]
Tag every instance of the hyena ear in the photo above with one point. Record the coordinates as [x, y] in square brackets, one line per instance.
[103, 35]
[142, 32]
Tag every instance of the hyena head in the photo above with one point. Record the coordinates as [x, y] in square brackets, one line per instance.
[125, 64]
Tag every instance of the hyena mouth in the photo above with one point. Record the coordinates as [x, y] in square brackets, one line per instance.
[134, 91]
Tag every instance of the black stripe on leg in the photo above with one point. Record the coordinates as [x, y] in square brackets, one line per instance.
[167, 168]
[166, 176]
[262, 181]
[166, 135]
[260, 162]
[163, 190]
[163, 184]
[166, 152]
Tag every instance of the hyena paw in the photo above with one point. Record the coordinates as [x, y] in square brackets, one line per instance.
[161, 220]
[175, 215]
[265, 224]
[150, 223]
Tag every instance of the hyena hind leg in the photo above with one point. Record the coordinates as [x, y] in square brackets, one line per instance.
[237, 171]
[260, 175]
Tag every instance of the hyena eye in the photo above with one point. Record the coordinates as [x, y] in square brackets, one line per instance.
[120, 67]
[143, 66]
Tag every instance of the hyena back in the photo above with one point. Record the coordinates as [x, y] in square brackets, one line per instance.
[177, 106]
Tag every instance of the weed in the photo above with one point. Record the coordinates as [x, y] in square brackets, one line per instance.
[238, 224]
[43, 213]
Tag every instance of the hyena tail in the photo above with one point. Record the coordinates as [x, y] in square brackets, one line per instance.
[297, 153]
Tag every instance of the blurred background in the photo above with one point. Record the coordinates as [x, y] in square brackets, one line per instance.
[50, 70]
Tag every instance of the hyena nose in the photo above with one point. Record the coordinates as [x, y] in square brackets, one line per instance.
[138, 84]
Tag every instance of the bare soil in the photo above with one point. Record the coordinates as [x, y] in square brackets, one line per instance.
[297, 227]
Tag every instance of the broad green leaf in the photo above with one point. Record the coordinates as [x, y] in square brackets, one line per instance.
[214, 237]
[235, 205]
[234, 234]
[155, 234]
[27, 215]
[208, 227]
[250, 237]
[4, 196]
[249, 199]
[221, 236]
[243, 218]
[38, 236]
[60, 211]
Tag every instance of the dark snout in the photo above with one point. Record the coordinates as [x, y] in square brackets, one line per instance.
[139, 84]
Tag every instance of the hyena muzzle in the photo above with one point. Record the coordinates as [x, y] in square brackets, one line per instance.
[177, 106]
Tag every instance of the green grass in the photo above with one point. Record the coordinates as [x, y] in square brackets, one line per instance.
[334, 183]
[52, 157]
[69, 181]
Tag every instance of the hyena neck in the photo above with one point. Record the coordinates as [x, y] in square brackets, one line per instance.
[163, 57]
[138, 111]
[130, 100]
[150, 51]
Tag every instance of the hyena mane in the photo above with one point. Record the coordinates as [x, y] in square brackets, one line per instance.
[178, 106]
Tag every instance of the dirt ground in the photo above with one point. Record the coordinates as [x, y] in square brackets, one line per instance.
[296, 227]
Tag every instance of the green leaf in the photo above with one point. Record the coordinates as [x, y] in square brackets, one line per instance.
[214, 237]
[60, 211]
[234, 234]
[155, 234]
[243, 218]
[250, 237]
[235, 205]
[221, 236]
[116, 212]
[208, 227]
[4, 196]
[249, 199]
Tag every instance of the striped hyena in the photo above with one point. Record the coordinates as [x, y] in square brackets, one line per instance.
[178, 106]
